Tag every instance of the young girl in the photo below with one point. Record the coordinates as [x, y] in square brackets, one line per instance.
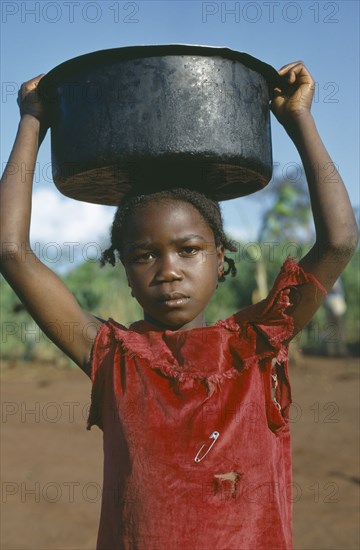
[194, 417]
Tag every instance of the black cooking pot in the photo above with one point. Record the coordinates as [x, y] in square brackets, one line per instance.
[143, 118]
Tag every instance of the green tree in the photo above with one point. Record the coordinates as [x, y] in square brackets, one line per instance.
[288, 218]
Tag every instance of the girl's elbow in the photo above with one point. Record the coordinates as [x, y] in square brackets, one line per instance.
[353, 238]
[339, 245]
[345, 247]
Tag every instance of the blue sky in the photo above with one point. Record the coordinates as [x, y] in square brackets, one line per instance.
[37, 36]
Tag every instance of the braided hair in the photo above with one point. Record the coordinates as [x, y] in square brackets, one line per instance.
[208, 208]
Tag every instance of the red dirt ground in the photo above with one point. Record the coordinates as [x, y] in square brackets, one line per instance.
[51, 466]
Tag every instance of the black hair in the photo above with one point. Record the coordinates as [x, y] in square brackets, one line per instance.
[208, 208]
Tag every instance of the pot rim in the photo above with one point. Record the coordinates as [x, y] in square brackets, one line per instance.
[89, 60]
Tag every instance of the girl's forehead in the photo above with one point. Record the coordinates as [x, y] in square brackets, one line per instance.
[166, 214]
[167, 209]
[166, 202]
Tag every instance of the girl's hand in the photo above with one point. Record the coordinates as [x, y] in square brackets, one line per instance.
[29, 101]
[290, 106]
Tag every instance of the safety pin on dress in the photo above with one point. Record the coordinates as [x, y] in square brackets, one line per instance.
[213, 436]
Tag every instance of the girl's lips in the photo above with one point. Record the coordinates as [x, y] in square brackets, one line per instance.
[175, 302]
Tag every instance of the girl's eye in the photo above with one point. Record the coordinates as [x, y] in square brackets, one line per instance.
[190, 250]
[142, 257]
[148, 256]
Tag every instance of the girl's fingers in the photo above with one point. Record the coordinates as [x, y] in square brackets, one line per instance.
[35, 79]
[31, 84]
[285, 68]
[296, 72]
[294, 69]
[28, 99]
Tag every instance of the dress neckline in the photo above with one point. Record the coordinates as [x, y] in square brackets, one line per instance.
[144, 326]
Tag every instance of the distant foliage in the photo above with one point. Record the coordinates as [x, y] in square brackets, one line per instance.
[105, 292]
[286, 229]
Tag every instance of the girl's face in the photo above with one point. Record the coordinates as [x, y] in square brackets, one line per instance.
[172, 263]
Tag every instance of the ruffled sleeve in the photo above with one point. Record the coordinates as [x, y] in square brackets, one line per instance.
[103, 356]
[275, 328]
[269, 317]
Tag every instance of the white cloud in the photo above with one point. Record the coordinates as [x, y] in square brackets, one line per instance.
[58, 219]
[65, 232]
[241, 234]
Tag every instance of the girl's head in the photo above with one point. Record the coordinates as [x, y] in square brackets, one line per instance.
[172, 245]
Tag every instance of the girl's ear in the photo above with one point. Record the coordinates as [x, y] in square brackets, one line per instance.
[127, 278]
[220, 257]
[129, 285]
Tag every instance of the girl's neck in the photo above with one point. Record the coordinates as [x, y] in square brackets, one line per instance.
[198, 322]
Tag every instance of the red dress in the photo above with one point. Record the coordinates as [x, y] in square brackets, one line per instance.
[196, 430]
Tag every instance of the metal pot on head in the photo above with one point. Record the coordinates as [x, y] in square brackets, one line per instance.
[144, 118]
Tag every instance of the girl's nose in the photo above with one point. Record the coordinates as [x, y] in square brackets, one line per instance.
[168, 269]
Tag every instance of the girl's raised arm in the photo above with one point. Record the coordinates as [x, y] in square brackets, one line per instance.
[48, 300]
[336, 229]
